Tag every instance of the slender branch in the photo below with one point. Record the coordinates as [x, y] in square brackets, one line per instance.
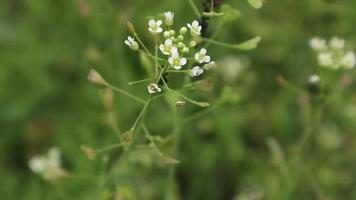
[125, 93]
[195, 9]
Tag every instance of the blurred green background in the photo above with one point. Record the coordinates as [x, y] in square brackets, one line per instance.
[244, 148]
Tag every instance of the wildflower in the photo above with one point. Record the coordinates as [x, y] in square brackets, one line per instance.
[325, 59]
[314, 79]
[132, 43]
[195, 28]
[337, 43]
[318, 44]
[201, 56]
[49, 165]
[155, 26]
[348, 61]
[153, 88]
[209, 66]
[175, 60]
[96, 78]
[169, 18]
[166, 48]
[196, 71]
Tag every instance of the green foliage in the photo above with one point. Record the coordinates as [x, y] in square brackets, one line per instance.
[248, 144]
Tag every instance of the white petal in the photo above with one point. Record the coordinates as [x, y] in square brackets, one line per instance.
[177, 67]
[183, 61]
[127, 43]
[170, 60]
[207, 59]
[195, 23]
[151, 22]
[159, 30]
[203, 51]
[189, 26]
[159, 23]
[168, 42]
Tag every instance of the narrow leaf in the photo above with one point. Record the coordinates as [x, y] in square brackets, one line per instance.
[257, 4]
[249, 44]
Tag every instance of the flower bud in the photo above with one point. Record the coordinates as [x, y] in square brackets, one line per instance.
[127, 138]
[185, 50]
[166, 34]
[180, 45]
[96, 78]
[192, 43]
[183, 30]
[130, 27]
[89, 152]
[107, 98]
[180, 37]
[172, 32]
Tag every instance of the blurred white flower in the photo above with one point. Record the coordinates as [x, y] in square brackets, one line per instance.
[314, 79]
[325, 59]
[175, 60]
[132, 43]
[348, 61]
[317, 44]
[49, 165]
[201, 56]
[195, 28]
[153, 88]
[169, 18]
[231, 67]
[337, 43]
[155, 26]
[166, 48]
[210, 65]
[196, 71]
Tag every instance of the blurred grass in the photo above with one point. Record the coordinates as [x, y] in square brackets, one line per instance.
[48, 47]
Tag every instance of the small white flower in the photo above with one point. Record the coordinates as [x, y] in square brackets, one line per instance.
[209, 66]
[348, 61]
[175, 60]
[195, 28]
[37, 164]
[314, 79]
[169, 18]
[196, 71]
[166, 48]
[325, 59]
[132, 43]
[318, 44]
[153, 88]
[201, 56]
[155, 26]
[337, 43]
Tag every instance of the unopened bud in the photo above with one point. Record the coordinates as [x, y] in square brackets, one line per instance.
[96, 78]
[180, 38]
[192, 44]
[89, 152]
[172, 32]
[130, 27]
[107, 98]
[185, 50]
[127, 138]
[166, 34]
[183, 30]
[180, 45]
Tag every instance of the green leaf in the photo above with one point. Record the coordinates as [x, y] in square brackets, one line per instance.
[249, 44]
[257, 4]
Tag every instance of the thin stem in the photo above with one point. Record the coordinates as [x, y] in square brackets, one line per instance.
[139, 81]
[125, 93]
[153, 57]
[195, 9]
[141, 43]
[110, 147]
[138, 119]
[156, 61]
[223, 44]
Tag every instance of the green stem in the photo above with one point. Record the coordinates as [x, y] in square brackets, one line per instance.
[125, 93]
[138, 119]
[195, 9]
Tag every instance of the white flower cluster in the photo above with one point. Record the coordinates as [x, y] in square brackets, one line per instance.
[178, 46]
[333, 54]
[48, 165]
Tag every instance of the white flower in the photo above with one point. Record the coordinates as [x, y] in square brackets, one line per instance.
[314, 79]
[196, 71]
[325, 59]
[153, 88]
[169, 18]
[201, 56]
[195, 28]
[155, 26]
[209, 66]
[317, 44]
[175, 60]
[131, 43]
[348, 61]
[166, 48]
[49, 165]
[337, 43]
